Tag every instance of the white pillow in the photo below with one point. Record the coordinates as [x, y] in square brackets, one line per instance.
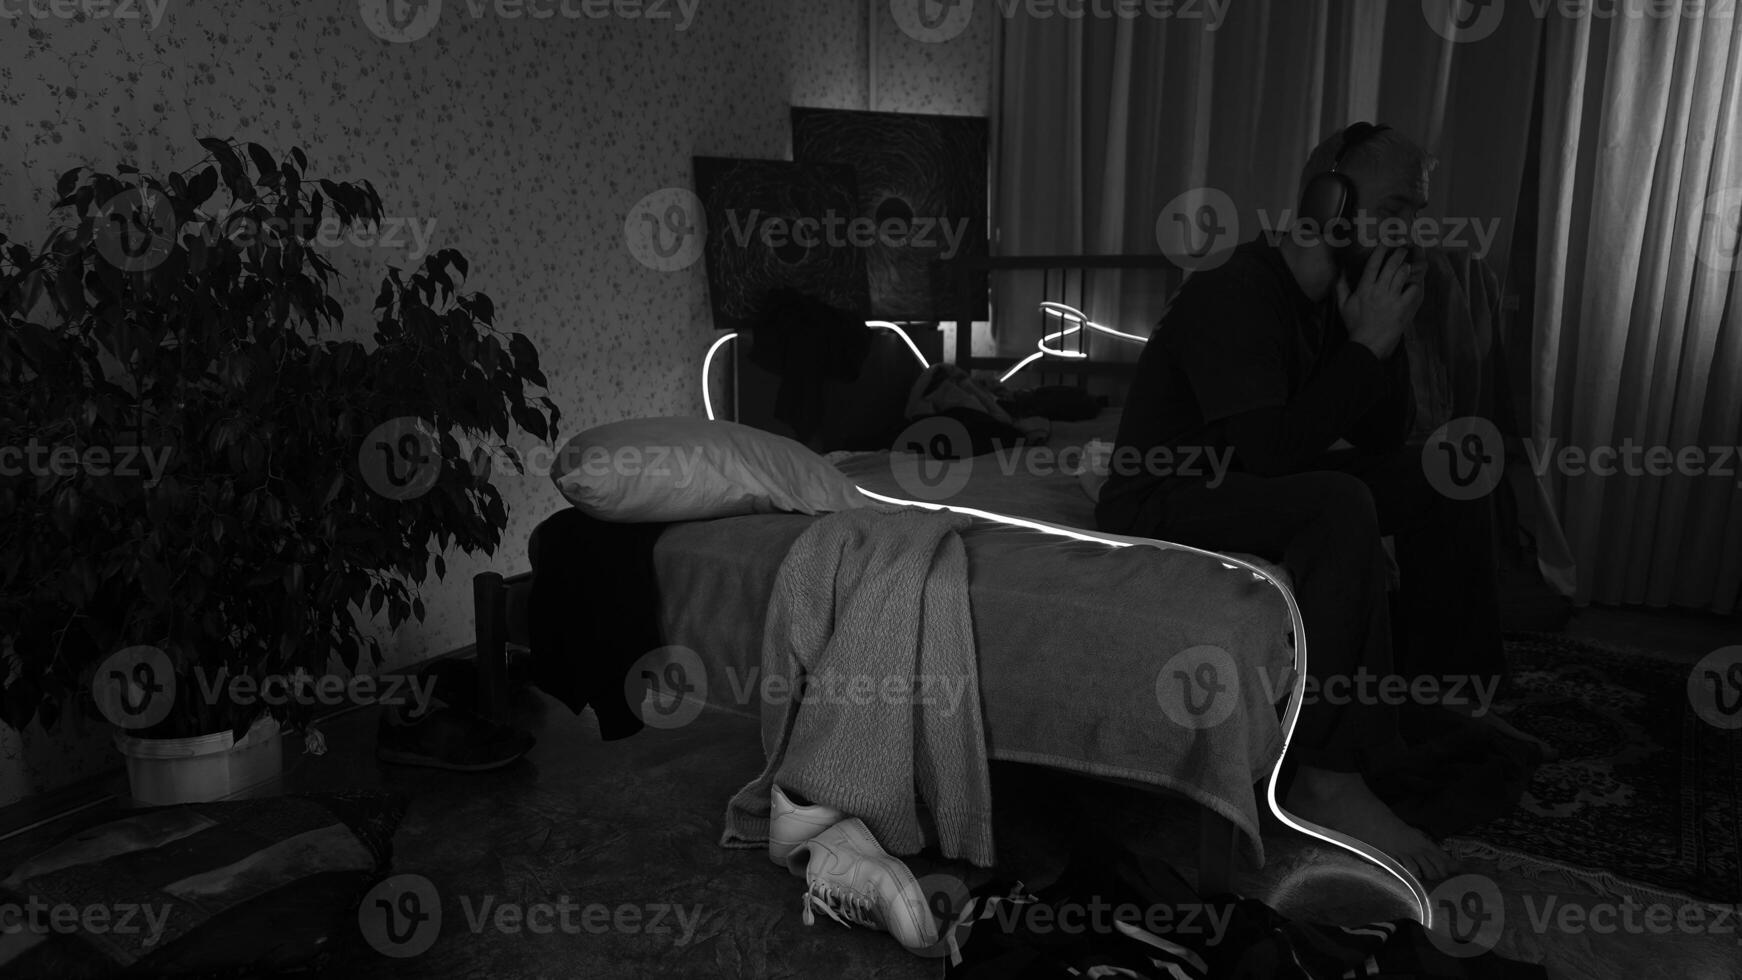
[691, 469]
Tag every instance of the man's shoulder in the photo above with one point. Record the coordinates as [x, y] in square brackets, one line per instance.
[1247, 277]
[1253, 264]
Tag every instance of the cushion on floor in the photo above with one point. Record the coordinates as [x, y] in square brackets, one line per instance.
[214, 889]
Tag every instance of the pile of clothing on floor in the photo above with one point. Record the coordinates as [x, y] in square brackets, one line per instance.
[1114, 913]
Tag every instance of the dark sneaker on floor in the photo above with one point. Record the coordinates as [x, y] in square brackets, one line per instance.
[448, 738]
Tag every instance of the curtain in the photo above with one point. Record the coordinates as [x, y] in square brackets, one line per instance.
[1638, 337]
[1102, 122]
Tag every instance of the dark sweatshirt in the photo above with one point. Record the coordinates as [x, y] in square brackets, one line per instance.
[1243, 360]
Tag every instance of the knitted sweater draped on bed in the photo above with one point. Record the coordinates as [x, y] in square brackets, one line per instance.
[870, 622]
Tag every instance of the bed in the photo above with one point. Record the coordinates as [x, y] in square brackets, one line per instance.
[1074, 638]
[1079, 641]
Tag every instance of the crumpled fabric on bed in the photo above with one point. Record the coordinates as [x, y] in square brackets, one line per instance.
[870, 626]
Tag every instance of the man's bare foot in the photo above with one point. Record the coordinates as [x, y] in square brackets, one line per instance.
[1342, 802]
[1500, 725]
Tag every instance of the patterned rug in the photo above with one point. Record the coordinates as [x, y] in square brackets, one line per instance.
[1646, 793]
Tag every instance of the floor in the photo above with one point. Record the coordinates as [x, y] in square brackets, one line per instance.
[626, 832]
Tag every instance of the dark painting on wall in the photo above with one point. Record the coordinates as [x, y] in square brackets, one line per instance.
[768, 228]
[928, 173]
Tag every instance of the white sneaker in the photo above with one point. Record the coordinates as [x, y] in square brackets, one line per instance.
[790, 825]
[855, 882]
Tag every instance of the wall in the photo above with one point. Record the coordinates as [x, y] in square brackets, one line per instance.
[527, 142]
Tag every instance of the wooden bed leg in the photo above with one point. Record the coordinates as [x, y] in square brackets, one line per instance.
[490, 621]
[1217, 840]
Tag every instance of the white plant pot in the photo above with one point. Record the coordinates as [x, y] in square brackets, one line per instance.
[164, 771]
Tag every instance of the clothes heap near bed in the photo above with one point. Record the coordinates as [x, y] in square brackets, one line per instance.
[1116, 912]
[593, 612]
[871, 627]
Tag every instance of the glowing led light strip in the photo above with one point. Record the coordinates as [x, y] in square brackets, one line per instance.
[707, 372]
[1071, 314]
[1030, 359]
[886, 325]
[1078, 320]
[1290, 715]
[708, 359]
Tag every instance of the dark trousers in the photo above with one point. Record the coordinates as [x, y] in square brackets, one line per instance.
[1324, 526]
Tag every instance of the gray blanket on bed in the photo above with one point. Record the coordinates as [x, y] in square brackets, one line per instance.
[870, 626]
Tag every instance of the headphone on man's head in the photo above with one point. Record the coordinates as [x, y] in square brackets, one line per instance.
[1330, 196]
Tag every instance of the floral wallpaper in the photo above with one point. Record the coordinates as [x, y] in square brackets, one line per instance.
[525, 133]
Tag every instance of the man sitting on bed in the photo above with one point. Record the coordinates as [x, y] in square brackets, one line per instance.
[1289, 355]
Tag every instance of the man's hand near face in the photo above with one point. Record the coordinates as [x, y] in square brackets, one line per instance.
[1384, 303]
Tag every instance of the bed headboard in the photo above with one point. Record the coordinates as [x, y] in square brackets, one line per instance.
[868, 413]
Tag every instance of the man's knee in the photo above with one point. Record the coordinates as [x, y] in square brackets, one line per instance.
[1345, 507]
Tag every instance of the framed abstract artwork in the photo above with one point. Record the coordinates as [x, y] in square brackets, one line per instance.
[768, 228]
[922, 196]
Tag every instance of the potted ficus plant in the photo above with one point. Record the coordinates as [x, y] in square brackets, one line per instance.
[207, 492]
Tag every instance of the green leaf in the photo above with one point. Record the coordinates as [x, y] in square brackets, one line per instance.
[263, 161]
[229, 163]
[333, 490]
[201, 188]
[67, 182]
[240, 187]
[525, 355]
[530, 420]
